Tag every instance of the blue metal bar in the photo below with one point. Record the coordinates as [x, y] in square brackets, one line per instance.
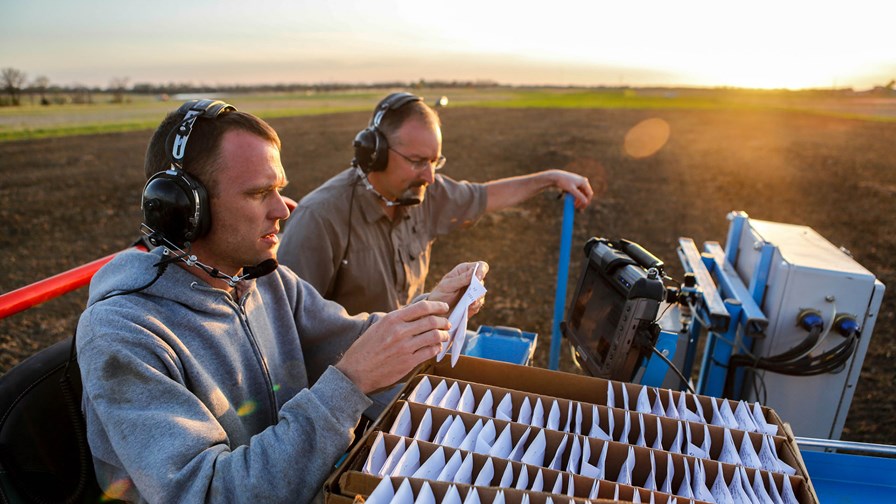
[760, 274]
[738, 219]
[718, 352]
[731, 286]
[712, 301]
[562, 276]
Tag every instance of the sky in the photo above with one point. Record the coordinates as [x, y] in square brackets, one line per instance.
[790, 44]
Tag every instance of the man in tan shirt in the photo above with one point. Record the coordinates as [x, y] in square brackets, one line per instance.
[363, 238]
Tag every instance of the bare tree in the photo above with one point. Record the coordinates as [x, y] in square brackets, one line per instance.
[117, 86]
[13, 81]
[40, 84]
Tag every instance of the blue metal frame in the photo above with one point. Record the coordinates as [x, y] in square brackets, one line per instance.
[562, 277]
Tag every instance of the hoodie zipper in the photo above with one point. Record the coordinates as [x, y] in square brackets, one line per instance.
[272, 399]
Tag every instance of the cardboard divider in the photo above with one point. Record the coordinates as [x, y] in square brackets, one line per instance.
[616, 451]
[669, 426]
[479, 375]
[355, 481]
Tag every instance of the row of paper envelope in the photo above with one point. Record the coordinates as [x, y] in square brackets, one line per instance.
[404, 460]
[385, 492]
[453, 432]
[532, 410]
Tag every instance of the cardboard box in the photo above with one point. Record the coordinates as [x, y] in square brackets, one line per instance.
[525, 383]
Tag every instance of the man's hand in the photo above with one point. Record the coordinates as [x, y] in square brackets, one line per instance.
[396, 344]
[576, 185]
[453, 285]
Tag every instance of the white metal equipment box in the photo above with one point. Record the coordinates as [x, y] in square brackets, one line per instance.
[806, 272]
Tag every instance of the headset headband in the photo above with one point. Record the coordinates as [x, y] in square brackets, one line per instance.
[193, 110]
[392, 102]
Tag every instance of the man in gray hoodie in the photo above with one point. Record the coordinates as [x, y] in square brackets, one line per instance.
[209, 381]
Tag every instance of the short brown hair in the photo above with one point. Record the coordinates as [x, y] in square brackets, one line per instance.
[203, 148]
[394, 119]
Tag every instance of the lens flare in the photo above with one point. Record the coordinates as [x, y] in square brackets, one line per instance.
[646, 138]
[247, 408]
[117, 490]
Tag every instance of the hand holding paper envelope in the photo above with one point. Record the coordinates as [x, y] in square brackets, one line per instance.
[458, 318]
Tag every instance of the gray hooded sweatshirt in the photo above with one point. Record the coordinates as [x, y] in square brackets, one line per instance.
[190, 396]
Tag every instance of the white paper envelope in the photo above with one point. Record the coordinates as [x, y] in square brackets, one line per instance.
[556, 460]
[456, 433]
[658, 440]
[503, 444]
[486, 473]
[771, 458]
[595, 490]
[650, 480]
[522, 481]
[424, 430]
[537, 482]
[758, 486]
[685, 489]
[433, 466]
[685, 412]
[717, 418]
[641, 441]
[504, 411]
[404, 494]
[538, 414]
[625, 472]
[698, 484]
[525, 499]
[525, 414]
[736, 489]
[519, 448]
[666, 487]
[557, 488]
[719, 489]
[382, 494]
[443, 430]
[458, 319]
[671, 409]
[486, 405]
[596, 431]
[452, 496]
[451, 398]
[611, 396]
[553, 422]
[574, 463]
[568, 425]
[464, 473]
[759, 419]
[486, 438]
[467, 401]
[507, 477]
[450, 470]
[626, 428]
[773, 490]
[409, 462]
[729, 454]
[421, 391]
[657, 408]
[587, 469]
[706, 446]
[469, 441]
[748, 454]
[746, 488]
[377, 457]
[393, 458]
[438, 392]
[499, 497]
[642, 405]
[535, 452]
[577, 424]
[402, 424]
[472, 497]
[744, 418]
[425, 496]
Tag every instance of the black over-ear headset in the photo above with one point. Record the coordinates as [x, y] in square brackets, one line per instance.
[371, 146]
[175, 204]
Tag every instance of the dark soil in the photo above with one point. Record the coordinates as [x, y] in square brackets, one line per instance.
[68, 201]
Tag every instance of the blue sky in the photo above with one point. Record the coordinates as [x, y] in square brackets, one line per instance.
[763, 43]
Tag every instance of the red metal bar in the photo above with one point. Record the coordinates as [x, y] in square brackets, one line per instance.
[44, 290]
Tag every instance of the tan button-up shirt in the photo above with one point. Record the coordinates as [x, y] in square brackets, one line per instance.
[341, 241]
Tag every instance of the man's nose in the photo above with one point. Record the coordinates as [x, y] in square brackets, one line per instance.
[428, 174]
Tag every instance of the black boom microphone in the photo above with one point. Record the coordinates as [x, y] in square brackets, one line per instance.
[261, 269]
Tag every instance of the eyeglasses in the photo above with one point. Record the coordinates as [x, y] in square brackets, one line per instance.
[422, 164]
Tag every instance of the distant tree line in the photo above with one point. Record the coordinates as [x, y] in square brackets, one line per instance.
[41, 91]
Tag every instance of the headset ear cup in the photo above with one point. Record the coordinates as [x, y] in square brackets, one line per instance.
[365, 145]
[175, 205]
[381, 154]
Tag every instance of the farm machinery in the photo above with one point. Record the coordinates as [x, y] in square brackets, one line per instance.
[778, 317]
